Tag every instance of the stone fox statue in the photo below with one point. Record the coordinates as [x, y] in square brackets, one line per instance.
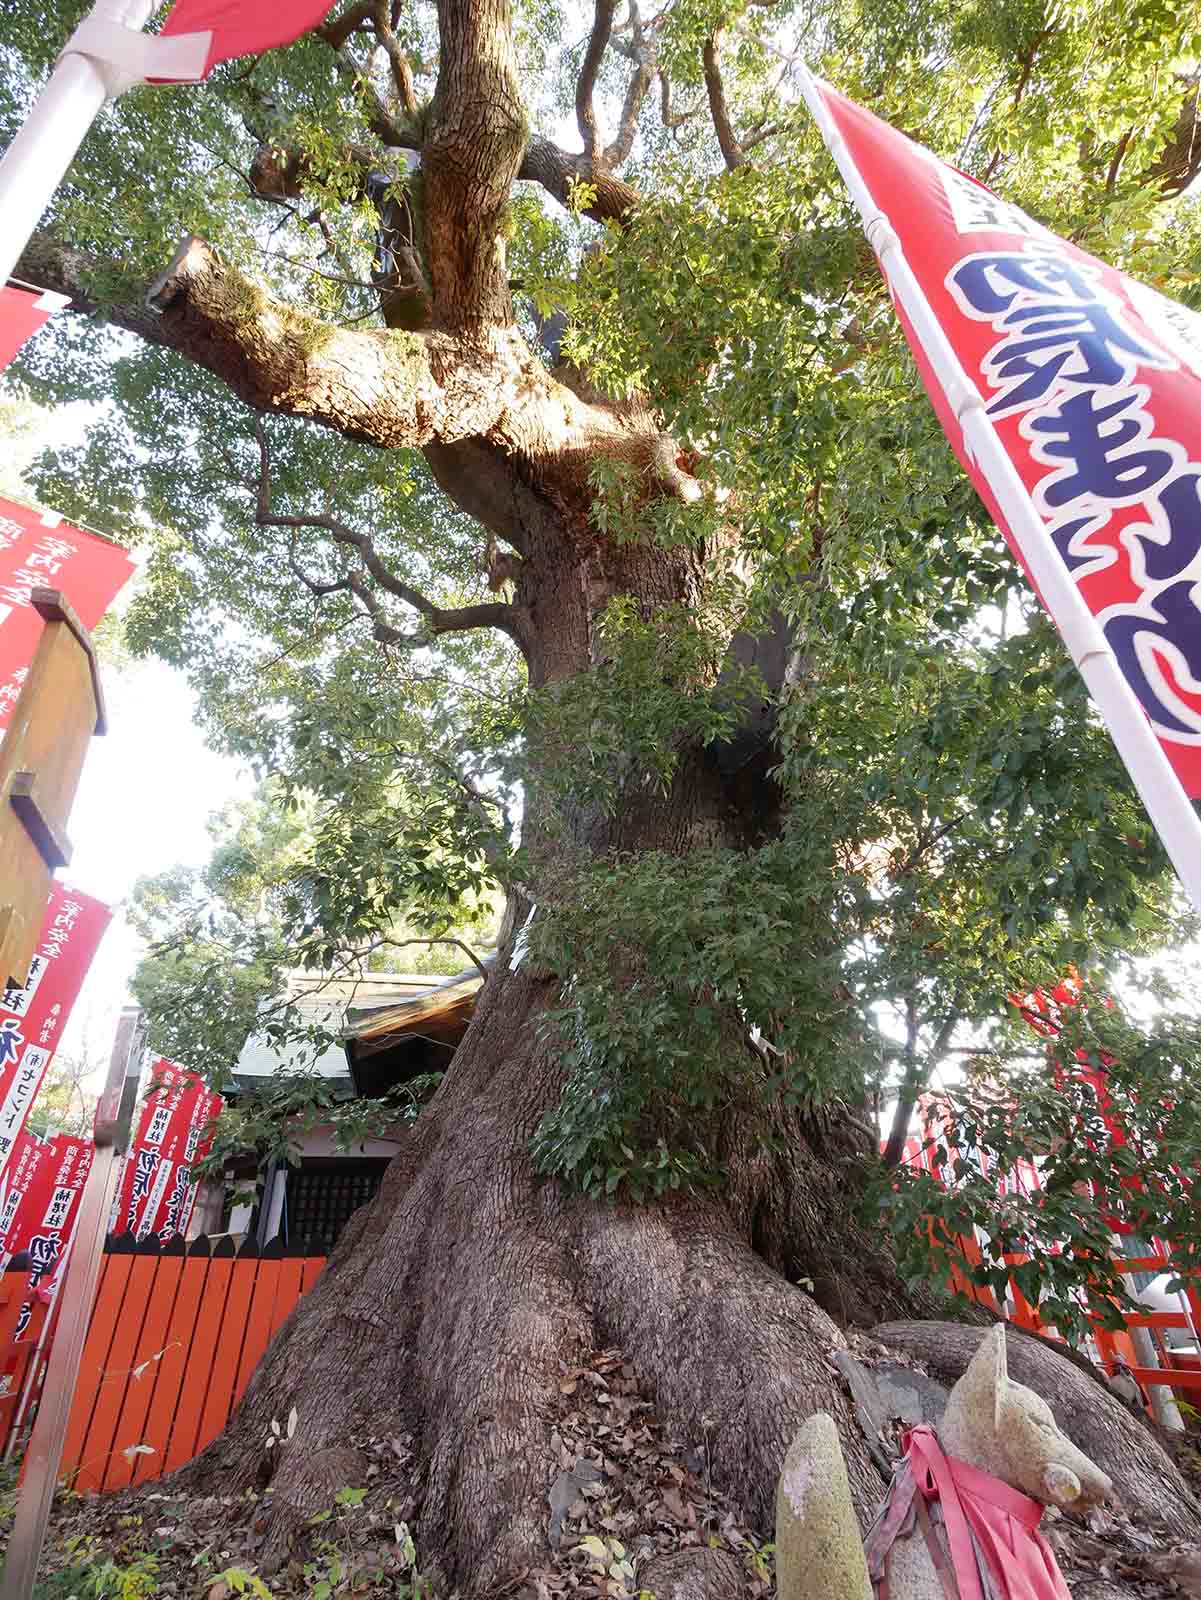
[952, 1524]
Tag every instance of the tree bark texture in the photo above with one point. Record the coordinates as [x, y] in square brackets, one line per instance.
[456, 1301]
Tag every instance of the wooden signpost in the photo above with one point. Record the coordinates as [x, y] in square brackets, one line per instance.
[60, 707]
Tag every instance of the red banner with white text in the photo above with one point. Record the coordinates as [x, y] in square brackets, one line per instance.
[49, 1210]
[22, 313]
[32, 1018]
[1093, 382]
[157, 1190]
[39, 550]
[21, 1181]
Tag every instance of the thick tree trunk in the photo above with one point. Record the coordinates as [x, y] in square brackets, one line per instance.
[458, 1298]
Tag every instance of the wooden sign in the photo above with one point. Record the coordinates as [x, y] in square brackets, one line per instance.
[60, 707]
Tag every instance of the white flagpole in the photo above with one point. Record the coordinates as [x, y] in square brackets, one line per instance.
[107, 54]
[1162, 793]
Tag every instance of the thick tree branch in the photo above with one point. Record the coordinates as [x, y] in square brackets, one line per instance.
[402, 73]
[385, 388]
[1180, 160]
[731, 150]
[671, 119]
[585, 89]
[510, 443]
[338, 30]
[558, 170]
[646, 62]
[278, 173]
[472, 153]
[51, 265]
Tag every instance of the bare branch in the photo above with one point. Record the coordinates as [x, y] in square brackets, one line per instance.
[1119, 155]
[585, 89]
[339, 29]
[402, 73]
[336, 34]
[398, 944]
[438, 619]
[646, 62]
[917, 1076]
[752, 139]
[726, 137]
[671, 119]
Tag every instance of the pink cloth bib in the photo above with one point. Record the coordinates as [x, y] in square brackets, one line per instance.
[991, 1529]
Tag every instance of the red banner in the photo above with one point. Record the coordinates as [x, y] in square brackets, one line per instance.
[21, 1179]
[45, 1218]
[157, 1191]
[1093, 382]
[22, 313]
[242, 28]
[39, 550]
[32, 1018]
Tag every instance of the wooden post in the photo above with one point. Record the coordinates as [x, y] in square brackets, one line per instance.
[60, 707]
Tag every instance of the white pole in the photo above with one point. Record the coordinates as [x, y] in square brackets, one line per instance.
[1163, 795]
[107, 54]
[37, 159]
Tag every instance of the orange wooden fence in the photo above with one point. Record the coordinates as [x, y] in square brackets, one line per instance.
[175, 1333]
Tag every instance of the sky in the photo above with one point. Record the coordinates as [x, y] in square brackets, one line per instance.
[148, 788]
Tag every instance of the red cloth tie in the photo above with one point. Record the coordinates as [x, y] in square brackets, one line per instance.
[981, 1515]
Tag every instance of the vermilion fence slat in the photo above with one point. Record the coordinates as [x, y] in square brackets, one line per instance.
[227, 1352]
[78, 1465]
[104, 1442]
[287, 1291]
[178, 1376]
[142, 1382]
[186, 1437]
[258, 1321]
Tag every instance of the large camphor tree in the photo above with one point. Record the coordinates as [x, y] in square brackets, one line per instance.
[534, 484]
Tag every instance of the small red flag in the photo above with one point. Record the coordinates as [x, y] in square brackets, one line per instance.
[33, 1016]
[244, 27]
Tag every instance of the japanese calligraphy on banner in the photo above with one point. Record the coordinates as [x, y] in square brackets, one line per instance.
[33, 1017]
[21, 1179]
[1093, 383]
[22, 313]
[157, 1190]
[44, 1217]
[39, 550]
